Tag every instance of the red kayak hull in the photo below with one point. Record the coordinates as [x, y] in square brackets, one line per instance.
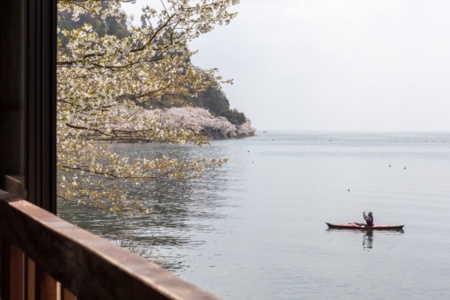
[363, 227]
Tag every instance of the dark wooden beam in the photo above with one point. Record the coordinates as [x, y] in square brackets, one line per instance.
[12, 98]
[41, 102]
[28, 97]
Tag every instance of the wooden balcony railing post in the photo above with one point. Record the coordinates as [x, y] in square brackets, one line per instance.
[67, 295]
[17, 273]
[31, 279]
[5, 267]
[12, 271]
[46, 285]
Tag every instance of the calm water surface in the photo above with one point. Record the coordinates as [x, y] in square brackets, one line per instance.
[255, 229]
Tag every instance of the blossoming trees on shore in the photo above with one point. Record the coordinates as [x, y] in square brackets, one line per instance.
[200, 120]
[103, 80]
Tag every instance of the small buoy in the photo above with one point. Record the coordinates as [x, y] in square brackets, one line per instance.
[389, 166]
[349, 190]
[404, 168]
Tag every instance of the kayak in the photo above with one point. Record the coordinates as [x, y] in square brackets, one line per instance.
[364, 227]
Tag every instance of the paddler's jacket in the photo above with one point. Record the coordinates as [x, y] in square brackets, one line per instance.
[369, 219]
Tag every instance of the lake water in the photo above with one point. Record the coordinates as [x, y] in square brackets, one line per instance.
[255, 229]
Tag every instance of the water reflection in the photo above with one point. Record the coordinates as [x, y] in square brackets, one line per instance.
[367, 235]
[180, 208]
[368, 239]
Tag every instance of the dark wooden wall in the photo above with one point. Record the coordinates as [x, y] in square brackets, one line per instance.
[28, 97]
[11, 90]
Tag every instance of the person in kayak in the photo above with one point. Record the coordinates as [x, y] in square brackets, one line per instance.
[368, 218]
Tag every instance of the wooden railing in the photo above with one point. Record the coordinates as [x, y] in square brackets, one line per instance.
[45, 257]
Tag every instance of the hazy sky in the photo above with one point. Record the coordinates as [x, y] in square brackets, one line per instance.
[353, 65]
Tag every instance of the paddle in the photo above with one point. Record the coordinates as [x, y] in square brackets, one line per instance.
[359, 224]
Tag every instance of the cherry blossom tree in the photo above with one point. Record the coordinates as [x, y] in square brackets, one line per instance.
[199, 119]
[103, 83]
